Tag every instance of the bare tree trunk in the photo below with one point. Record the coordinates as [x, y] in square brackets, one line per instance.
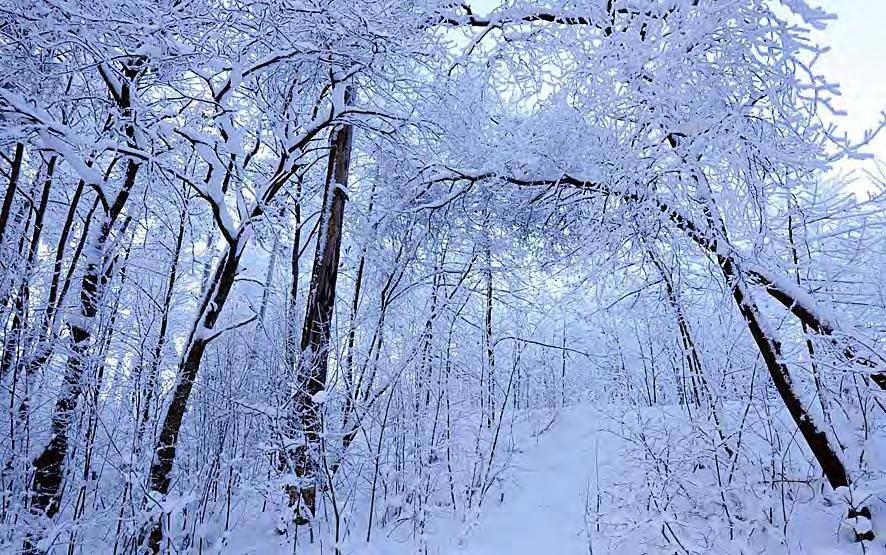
[22, 301]
[810, 348]
[15, 172]
[92, 399]
[200, 336]
[770, 348]
[698, 380]
[49, 465]
[43, 346]
[313, 360]
[563, 394]
[22, 297]
[292, 327]
[490, 346]
[214, 298]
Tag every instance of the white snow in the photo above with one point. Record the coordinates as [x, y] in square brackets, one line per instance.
[555, 484]
[320, 397]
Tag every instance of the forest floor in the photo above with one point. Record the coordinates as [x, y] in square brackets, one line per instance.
[553, 493]
[577, 488]
[544, 501]
[573, 487]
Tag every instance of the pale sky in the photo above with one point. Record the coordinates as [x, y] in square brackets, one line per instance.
[857, 61]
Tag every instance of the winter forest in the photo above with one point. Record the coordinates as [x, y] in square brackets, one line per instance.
[401, 277]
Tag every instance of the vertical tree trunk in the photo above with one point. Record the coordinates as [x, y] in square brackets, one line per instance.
[489, 344]
[93, 400]
[13, 339]
[8, 262]
[698, 380]
[425, 368]
[292, 307]
[822, 395]
[313, 359]
[352, 399]
[42, 349]
[144, 410]
[563, 368]
[690, 352]
[269, 281]
[12, 342]
[12, 185]
[49, 466]
[215, 296]
[22, 301]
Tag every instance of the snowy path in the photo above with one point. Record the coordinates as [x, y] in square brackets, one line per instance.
[550, 504]
[544, 512]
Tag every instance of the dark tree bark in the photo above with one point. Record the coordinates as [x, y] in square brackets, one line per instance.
[53, 299]
[817, 440]
[801, 306]
[825, 452]
[164, 455]
[20, 303]
[698, 380]
[214, 298]
[49, 466]
[351, 428]
[12, 185]
[770, 348]
[295, 267]
[489, 345]
[313, 360]
[715, 242]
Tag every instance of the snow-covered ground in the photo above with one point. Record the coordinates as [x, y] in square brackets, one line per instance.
[580, 485]
[555, 489]
[544, 504]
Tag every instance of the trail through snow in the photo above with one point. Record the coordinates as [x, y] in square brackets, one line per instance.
[580, 472]
[555, 486]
